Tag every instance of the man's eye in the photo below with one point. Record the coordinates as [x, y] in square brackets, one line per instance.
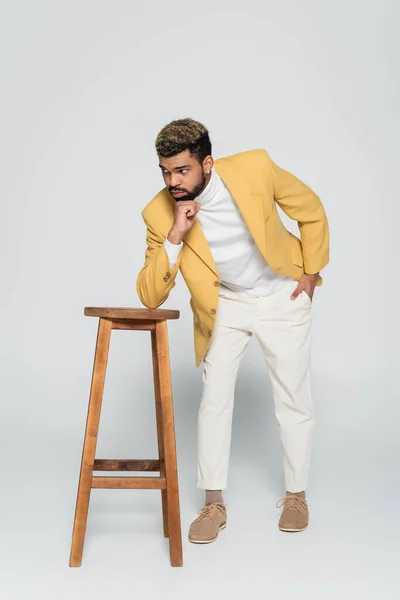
[182, 170]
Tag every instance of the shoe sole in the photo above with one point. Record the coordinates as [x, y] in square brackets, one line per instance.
[220, 528]
[286, 529]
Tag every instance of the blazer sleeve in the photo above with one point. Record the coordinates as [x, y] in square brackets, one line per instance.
[156, 278]
[303, 205]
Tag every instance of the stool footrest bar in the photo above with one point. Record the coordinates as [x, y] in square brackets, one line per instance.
[133, 483]
[123, 464]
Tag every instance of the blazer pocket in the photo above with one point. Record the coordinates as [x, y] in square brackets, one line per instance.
[296, 250]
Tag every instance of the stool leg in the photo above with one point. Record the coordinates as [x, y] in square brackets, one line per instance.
[160, 433]
[167, 413]
[89, 446]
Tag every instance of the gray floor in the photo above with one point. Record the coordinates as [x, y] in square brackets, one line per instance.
[349, 550]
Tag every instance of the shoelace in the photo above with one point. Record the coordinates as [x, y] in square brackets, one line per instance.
[210, 510]
[296, 502]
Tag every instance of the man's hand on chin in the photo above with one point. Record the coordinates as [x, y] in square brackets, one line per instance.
[307, 283]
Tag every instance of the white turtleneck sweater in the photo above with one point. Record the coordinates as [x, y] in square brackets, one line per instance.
[241, 266]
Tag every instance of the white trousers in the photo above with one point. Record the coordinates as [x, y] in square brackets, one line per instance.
[283, 328]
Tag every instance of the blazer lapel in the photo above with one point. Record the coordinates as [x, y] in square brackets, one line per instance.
[249, 205]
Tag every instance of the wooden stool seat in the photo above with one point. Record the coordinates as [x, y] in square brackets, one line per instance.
[154, 314]
[155, 321]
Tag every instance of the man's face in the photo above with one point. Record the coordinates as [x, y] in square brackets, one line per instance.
[183, 173]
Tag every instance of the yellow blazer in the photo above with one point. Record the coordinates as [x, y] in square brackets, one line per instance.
[255, 183]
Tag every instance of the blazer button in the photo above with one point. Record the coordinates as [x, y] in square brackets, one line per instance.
[165, 278]
[168, 275]
[213, 311]
[216, 283]
[210, 333]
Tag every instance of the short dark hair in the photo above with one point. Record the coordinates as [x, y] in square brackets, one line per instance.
[181, 135]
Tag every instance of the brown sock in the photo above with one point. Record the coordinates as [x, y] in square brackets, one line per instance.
[302, 494]
[214, 496]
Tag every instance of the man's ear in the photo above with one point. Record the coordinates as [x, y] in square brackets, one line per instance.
[208, 163]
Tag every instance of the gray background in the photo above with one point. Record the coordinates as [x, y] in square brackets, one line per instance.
[85, 88]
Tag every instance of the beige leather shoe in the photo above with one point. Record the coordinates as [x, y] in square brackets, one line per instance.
[294, 516]
[211, 520]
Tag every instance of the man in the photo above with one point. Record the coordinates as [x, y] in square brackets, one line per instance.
[248, 275]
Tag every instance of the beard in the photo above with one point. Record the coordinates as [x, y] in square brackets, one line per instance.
[198, 188]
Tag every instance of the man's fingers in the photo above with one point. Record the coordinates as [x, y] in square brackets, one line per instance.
[194, 209]
[188, 206]
[187, 209]
[296, 292]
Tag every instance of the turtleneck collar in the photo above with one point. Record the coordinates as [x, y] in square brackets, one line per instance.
[210, 190]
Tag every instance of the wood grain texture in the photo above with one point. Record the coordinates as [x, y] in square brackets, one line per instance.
[126, 464]
[160, 433]
[167, 416]
[90, 441]
[133, 324]
[155, 314]
[129, 483]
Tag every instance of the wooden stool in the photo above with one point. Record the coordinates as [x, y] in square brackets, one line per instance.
[154, 321]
